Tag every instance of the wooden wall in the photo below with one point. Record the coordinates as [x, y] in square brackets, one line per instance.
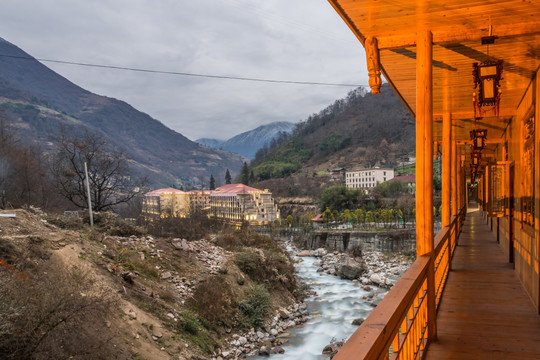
[526, 237]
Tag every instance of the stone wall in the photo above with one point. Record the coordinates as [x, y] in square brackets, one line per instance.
[387, 241]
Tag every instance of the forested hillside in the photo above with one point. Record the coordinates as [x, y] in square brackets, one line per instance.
[361, 130]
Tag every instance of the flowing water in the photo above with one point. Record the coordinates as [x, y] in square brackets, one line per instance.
[337, 303]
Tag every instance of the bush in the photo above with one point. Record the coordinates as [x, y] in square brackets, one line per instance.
[251, 262]
[213, 301]
[189, 324]
[254, 309]
[65, 222]
[192, 228]
[57, 314]
[270, 266]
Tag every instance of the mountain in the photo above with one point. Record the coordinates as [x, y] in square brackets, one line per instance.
[40, 105]
[361, 130]
[247, 143]
[211, 143]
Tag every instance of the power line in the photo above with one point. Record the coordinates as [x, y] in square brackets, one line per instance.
[180, 73]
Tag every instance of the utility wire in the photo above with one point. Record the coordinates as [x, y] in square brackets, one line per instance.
[180, 73]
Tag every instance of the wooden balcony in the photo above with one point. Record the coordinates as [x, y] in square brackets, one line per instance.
[483, 311]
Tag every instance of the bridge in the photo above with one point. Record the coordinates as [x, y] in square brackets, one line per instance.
[469, 72]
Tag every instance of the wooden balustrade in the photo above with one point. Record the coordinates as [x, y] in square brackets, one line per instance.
[397, 327]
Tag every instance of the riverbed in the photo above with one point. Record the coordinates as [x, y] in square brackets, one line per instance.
[337, 303]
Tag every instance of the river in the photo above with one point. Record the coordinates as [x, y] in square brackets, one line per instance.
[337, 303]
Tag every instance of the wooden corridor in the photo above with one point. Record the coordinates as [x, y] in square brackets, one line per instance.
[485, 312]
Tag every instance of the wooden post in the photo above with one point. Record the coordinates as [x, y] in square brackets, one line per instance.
[455, 163]
[537, 185]
[424, 167]
[446, 164]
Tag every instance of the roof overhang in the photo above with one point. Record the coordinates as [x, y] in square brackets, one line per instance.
[457, 28]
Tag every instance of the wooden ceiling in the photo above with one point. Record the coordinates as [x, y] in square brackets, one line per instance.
[457, 27]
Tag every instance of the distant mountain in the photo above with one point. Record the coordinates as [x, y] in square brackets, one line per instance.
[40, 104]
[247, 143]
[361, 130]
[211, 143]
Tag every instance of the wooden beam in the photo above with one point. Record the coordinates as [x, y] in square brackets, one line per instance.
[458, 34]
[446, 169]
[424, 167]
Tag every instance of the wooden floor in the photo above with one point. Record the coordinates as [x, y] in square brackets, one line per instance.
[485, 312]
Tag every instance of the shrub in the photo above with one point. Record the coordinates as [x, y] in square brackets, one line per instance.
[254, 309]
[57, 314]
[251, 262]
[65, 222]
[192, 228]
[189, 324]
[213, 301]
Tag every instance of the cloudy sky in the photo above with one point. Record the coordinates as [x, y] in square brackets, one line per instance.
[296, 40]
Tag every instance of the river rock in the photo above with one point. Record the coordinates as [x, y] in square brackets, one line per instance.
[350, 269]
[332, 348]
[320, 252]
[284, 314]
[376, 279]
[303, 253]
[263, 351]
[277, 350]
[358, 322]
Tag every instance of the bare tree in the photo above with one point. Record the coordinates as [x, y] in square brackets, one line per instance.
[108, 173]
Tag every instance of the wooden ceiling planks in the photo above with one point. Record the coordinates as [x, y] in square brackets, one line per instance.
[457, 28]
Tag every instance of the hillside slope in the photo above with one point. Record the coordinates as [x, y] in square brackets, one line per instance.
[362, 130]
[40, 104]
[114, 292]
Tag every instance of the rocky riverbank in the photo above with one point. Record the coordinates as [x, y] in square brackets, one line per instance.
[370, 268]
[265, 341]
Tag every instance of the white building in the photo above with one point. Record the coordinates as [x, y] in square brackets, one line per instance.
[367, 178]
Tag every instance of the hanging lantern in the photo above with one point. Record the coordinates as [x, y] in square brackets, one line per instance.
[478, 137]
[475, 158]
[487, 77]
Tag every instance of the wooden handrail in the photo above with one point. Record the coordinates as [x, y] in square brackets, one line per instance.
[374, 336]
[402, 312]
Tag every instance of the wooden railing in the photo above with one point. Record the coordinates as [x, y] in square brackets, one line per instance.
[398, 327]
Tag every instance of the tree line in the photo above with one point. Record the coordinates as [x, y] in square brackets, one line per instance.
[55, 179]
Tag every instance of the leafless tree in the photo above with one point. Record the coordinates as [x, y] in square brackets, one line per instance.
[108, 173]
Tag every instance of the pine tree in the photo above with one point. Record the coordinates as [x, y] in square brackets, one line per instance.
[228, 178]
[245, 174]
[212, 182]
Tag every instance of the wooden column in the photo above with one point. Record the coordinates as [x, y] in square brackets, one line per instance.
[446, 166]
[455, 163]
[537, 185]
[424, 166]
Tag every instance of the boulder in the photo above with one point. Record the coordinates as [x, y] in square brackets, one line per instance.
[332, 348]
[284, 313]
[350, 269]
[166, 275]
[303, 253]
[376, 279]
[358, 322]
[277, 350]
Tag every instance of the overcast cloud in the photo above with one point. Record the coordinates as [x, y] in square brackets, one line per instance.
[300, 40]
